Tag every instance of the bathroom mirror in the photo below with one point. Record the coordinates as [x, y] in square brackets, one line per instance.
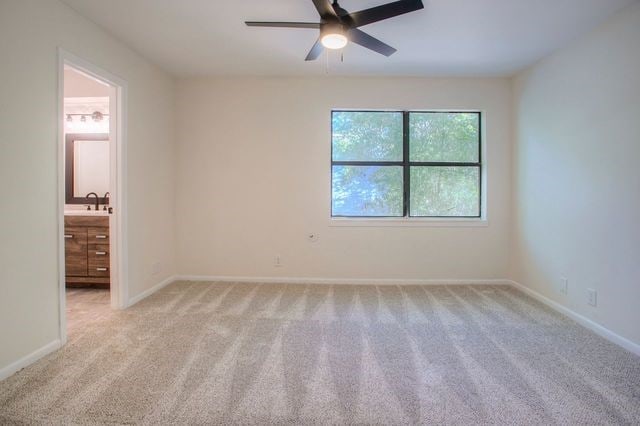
[86, 167]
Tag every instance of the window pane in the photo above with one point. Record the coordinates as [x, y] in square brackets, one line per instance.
[366, 136]
[445, 191]
[440, 136]
[366, 191]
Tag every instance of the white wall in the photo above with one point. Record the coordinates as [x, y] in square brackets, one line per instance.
[30, 33]
[577, 175]
[254, 179]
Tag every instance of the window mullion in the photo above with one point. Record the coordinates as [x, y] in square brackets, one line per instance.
[442, 164]
[367, 163]
[406, 166]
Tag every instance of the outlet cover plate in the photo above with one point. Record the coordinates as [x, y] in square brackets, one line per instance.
[564, 286]
[156, 268]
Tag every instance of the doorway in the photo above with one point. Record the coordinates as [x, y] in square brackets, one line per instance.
[91, 165]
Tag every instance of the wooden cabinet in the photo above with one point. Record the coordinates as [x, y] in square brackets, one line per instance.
[87, 251]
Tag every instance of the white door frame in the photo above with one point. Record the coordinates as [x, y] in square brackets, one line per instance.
[117, 221]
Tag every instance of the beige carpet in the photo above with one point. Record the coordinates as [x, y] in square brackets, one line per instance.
[198, 353]
[86, 305]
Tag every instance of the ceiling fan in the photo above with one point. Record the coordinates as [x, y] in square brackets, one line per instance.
[338, 27]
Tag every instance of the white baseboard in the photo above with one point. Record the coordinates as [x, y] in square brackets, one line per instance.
[57, 344]
[581, 319]
[25, 361]
[337, 281]
[135, 299]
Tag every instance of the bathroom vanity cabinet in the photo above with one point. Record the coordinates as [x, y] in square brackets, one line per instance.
[87, 253]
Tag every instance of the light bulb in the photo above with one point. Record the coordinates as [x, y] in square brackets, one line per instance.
[334, 41]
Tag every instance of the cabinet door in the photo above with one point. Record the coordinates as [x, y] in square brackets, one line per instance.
[75, 251]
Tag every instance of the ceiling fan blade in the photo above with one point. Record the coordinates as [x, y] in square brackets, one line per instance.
[324, 8]
[315, 51]
[365, 40]
[311, 25]
[389, 10]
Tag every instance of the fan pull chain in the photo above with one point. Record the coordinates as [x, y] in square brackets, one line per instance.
[326, 63]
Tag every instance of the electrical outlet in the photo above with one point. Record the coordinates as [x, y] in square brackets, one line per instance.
[277, 261]
[592, 297]
[156, 268]
[564, 285]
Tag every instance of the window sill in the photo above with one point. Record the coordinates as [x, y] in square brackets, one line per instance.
[409, 222]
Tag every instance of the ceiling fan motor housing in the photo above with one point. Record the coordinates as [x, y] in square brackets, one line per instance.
[333, 35]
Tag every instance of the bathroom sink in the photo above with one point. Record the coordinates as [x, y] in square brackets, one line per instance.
[86, 213]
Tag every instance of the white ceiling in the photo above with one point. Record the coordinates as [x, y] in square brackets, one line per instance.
[448, 37]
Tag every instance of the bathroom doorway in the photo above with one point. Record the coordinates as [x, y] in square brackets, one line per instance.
[91, 177]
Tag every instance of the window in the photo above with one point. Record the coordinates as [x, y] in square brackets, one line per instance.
[405, 164]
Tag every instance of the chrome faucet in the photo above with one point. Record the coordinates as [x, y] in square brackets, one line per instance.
[97, 199]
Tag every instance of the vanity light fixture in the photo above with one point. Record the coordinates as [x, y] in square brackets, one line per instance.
[97, 116]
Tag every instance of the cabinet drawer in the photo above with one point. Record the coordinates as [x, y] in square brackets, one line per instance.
[98, 254]
[75, 251]
[98, 270]
[98, 260]
[98, 235]
[99, 251]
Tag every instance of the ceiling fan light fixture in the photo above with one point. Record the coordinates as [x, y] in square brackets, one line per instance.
[334, 37]
[334, 41]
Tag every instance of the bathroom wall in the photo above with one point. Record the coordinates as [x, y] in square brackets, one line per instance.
[78, 85]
